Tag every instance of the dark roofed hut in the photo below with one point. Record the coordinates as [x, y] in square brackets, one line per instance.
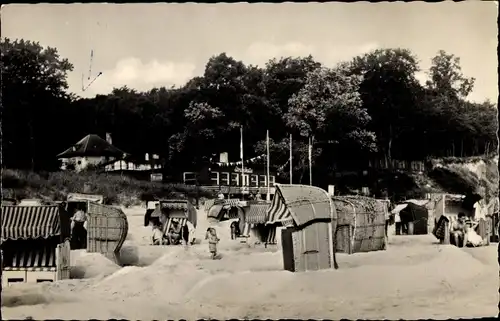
[310, 218]
[361, 224]
[91, 145]
[90, 150]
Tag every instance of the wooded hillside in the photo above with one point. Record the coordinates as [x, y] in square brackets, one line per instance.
[371, 106]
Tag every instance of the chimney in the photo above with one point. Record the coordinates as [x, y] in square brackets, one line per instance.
[224, 158]
[108, 138]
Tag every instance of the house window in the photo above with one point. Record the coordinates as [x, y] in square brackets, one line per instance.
[271, 181]
[235, 179]
[189, 178]
[254, 180]
[224, 179]
[263, 180]
[214, 178]
[245, 180]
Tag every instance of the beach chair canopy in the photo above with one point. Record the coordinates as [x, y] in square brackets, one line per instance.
[177, 209]
[300, 203]
[215, 207]
[32, 222]
[256, 213]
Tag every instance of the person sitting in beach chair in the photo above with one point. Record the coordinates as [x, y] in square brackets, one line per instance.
[233, 230]
[472, 238]
[458, 231]
[174, 235]
[157, 238]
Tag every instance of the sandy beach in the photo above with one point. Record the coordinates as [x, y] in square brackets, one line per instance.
[414, 278]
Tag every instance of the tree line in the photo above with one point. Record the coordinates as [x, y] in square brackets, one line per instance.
[370, 107]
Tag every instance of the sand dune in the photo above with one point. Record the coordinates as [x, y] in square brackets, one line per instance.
[414, 278]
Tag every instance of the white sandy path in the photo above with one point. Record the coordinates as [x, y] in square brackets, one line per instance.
[412, 279]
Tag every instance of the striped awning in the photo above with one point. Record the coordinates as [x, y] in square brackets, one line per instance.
[278, 212]
[168, 224]
[232, 202]
[208, 204]
[256, 213]
[30, 222]
[39, 257]
[174, 204]
[178, 209]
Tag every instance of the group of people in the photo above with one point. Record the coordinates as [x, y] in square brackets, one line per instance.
[174, 236]
[178, 233]
[463, 232]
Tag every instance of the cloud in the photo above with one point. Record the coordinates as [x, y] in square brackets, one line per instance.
[422, 76]
[133, 73]
[329, 54]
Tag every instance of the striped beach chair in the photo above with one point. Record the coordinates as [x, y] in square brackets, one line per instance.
[39, 258]
[35, 244]
[168, 225]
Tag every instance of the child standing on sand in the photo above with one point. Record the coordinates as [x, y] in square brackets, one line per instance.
[212, 238]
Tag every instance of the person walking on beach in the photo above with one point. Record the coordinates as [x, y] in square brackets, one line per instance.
[212, 238]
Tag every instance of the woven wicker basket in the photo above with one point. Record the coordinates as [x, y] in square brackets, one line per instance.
[361, 224]
[107, 229]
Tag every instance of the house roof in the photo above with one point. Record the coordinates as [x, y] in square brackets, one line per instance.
[91, 145]
[303, 203]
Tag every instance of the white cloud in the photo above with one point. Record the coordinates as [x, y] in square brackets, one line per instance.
[259, 53]
[422, 77]
[262, 52]
[133, 73]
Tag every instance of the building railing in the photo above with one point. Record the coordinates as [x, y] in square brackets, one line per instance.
[412, 166]
[238, 189]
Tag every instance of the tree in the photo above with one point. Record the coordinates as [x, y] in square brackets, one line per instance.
[34, 91]
[458, 127]
[390, 93]
[446, 77]
[282, 79]
[328, 107]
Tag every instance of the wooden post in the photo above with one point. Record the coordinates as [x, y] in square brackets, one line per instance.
[446, 239]
[291, 160]
[349, 238]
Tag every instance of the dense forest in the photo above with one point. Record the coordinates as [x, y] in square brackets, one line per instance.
[371, 107]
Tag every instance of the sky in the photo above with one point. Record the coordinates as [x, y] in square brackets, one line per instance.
[151, 45]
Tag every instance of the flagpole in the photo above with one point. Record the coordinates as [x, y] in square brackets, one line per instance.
[268, 187]
[291, 160]
[310, 161]
[242, 162]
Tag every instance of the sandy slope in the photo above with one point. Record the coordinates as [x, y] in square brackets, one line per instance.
[414, 279]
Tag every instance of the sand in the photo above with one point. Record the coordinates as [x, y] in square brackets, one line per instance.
[415, 278]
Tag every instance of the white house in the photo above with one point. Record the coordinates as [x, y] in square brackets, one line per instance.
[134, 164]
[91, 150]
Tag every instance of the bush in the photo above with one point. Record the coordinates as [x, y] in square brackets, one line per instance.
[116, 189]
